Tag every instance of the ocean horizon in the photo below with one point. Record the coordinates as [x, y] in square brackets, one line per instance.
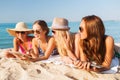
[112, 28]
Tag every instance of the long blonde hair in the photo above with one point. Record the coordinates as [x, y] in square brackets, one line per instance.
[65, 38]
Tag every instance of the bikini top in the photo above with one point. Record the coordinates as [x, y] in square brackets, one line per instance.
[54, 52]
[22, 49]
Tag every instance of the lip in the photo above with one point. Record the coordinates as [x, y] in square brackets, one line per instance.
[36, 35]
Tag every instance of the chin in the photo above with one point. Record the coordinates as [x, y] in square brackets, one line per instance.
[83, 37]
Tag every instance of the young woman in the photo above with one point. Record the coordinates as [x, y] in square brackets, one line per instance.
[93, 47]
[64, 39]
[43, 44]
[22, 42]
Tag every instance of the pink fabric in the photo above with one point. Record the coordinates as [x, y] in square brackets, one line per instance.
[22, 50]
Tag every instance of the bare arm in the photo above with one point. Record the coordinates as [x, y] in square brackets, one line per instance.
[50, 47]
[109, 53]
[77, 45]
[35, 48]
[15, 44]
[109, 42]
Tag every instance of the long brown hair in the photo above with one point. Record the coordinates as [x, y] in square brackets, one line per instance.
[94, 45]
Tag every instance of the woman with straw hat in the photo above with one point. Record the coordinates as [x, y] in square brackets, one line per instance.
[64, 39]
[21, 42]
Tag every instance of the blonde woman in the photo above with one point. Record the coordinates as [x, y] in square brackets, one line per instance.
[93, 47]
[22, 43]
[64, 39]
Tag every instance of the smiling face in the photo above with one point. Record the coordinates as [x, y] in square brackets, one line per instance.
[82, 30]
[38, 32]
[21, 35]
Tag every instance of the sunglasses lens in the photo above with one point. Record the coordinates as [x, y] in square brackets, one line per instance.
[37, 31]
[17, 32]
[81, 29]
[53, 32]
[22, 32]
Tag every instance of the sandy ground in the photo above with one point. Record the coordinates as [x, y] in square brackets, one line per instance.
[52, 69]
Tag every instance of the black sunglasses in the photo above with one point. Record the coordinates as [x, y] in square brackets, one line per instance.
[37, 31]
[81, 29]
[22, 32]
[53, 31]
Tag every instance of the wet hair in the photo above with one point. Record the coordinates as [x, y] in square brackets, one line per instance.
[94, 45]
[43, 25]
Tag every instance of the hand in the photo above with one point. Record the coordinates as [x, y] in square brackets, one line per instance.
[66, 59]
[33, 59]
[24, 57]
[82, 65]
[77, 63]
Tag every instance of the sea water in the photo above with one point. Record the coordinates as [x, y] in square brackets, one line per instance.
[6, 41]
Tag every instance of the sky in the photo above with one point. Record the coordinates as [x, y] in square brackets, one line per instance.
[73, 10]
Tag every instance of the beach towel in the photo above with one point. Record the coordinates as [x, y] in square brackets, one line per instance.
[57, 60]
[114, 66]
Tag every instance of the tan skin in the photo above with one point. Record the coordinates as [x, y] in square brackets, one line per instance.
[46, 43]
[20, 39]
[83, 63]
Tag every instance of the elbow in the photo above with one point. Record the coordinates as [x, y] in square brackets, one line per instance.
[107, 67]
[46, 57]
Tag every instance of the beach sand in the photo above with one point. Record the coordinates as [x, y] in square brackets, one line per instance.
[51, 69]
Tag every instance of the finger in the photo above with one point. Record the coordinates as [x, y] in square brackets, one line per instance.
[88, 66]
[76, 62]
[85, 65]
[80, 65]
[94, 69]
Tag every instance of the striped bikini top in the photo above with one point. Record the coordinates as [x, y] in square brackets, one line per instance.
[54, 52]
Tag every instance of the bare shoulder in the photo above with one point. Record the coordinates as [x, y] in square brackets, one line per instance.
[35, 42]
[51, 38]
[34, 39]
[109, 39]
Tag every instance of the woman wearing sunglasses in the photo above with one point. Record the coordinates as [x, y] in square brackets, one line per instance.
[93, 47]
[63, 39]
[21, 42]
[43, 44]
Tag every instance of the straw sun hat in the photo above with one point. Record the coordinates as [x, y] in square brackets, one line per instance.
[20, 26]
[60, 24]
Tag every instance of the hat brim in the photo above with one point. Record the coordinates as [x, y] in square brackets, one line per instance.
[12, 32]
[54, 28]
